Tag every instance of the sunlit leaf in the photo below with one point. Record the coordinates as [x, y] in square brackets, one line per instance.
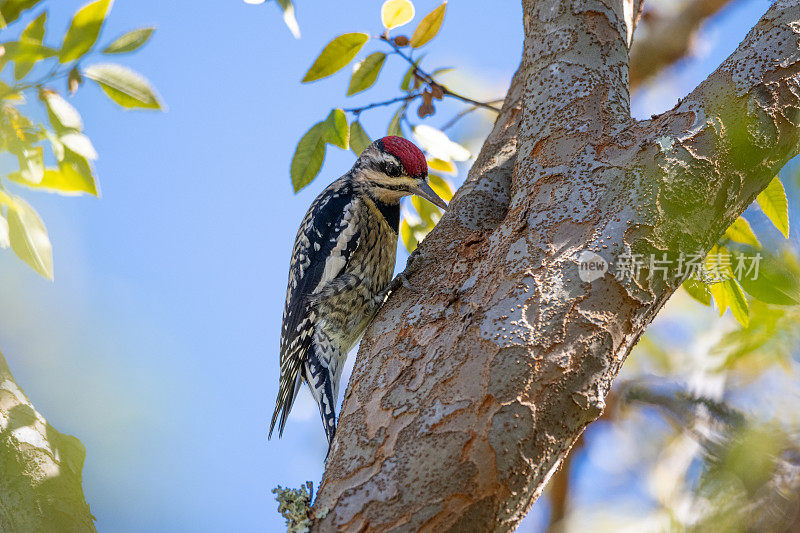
[309, 155]
[407, 234]
[394, 124]
[288, 17]
[775, 283]
[774, 204]
[438, 145]
[124, 86]
[697, 290]
[366, 73]
[33, 33]
[720, 297]
[429, 26]
[80, 144]
[63, 114]
[440, 187]
[736, 301]
[429, 213]
[336, 54]
[26, 52]
[83, 30]
[28, 237]
[4, 239]
[338, 131]
[740, 231]
[31, 164]
[442, 166]
[395, 13]
[70, 179]
[359, 140]
[133, 40]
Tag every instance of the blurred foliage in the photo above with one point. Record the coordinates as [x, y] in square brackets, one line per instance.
[418, 87]
[55, 156]
[747, 268]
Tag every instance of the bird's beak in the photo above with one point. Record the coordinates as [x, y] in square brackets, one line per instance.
[424, 190]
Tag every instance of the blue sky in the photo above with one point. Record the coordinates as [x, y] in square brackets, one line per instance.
[157, 343]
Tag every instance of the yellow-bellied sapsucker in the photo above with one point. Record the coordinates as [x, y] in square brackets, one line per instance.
[341, 268]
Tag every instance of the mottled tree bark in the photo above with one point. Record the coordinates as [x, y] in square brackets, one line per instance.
[40, 469]
[470, 390]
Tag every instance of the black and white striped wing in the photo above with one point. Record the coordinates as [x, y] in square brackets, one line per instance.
[323, 246]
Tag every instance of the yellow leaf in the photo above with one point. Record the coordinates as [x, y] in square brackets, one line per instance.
[773, 203]
[395, 13]
[740, 231]
[429, 26]
[440, 187]
[442, 166]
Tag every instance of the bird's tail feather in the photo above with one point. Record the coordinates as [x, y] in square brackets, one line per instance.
[287, 393]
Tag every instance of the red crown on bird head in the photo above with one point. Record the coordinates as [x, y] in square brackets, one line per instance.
[409, 155]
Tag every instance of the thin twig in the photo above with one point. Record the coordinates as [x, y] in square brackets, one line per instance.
[464, 113]
[406, 98]
[429, 79]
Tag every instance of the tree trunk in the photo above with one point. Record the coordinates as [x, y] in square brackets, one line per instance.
[469, 390]
[40, 469]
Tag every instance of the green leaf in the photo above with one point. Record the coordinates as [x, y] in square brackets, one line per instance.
[740, 231]
[338, 132]
[429, 26]
[26, 52]
[395, 13]
[31, 163]
[34, 34]
[124, 86]
[336, 54]
[359, 140]
[394, 124]
[697, 290]
[10, 10]
[774, 204]
[309, 155]
[774, 284]
[736, 301]
[62, 114]
[83, 30]
[366, 73]
[133, 40]
[405, 85]
[288, 17]
[28, 237]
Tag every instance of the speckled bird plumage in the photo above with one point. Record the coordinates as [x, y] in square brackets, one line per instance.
[341, 267]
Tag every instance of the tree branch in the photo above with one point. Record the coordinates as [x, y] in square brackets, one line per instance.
[40, 486]
[469, 392]
[668, 39]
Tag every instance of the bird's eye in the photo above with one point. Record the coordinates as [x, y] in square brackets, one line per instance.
[393, 169]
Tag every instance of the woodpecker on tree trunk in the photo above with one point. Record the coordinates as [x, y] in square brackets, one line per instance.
[341, 268]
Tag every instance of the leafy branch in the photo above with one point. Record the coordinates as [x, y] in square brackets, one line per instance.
[36, 67]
